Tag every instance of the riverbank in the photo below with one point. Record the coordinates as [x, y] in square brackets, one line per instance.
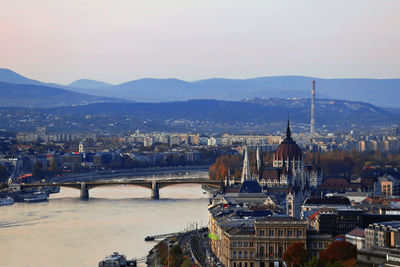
[185, 249]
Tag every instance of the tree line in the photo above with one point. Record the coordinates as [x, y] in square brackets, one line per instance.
[335, 164]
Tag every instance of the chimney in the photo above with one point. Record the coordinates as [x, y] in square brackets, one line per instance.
[312, 123]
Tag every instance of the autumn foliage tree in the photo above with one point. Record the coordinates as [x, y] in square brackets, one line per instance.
[340, 252]
[296, 254]
[226, 166]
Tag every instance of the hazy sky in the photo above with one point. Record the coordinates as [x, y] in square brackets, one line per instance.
[120, 40]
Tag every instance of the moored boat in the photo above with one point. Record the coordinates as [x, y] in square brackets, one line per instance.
[36, 197]
[6, 201]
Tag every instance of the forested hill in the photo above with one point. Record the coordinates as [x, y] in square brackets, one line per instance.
[202, 116]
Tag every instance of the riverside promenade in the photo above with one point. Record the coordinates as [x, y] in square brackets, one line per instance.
[194, 245]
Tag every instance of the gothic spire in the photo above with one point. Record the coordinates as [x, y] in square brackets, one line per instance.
[258, 159]
[246, 168]
[288, 129]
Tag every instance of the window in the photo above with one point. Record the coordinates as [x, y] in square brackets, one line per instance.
[271, 251]
[239, 244]
[245, 255]
[245, 244]
[271, 233]
[251, 254]
[234, 244]
[262, 232]
[280, 232]
[289, 232]
[299, 233]
[234, 254]
[280, 252]
[314, 245]
[320, 244]
[251, 244]
[245, 264]
[240, 254]
[261, 251]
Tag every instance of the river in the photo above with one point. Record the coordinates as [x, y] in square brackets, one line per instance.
[67, 231]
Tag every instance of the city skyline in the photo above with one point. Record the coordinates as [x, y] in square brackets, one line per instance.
[120, 41]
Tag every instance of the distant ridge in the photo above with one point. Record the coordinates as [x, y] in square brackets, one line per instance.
[10, 76]
[89, 84]
[255, 116]
[380, 92]
[30, 95]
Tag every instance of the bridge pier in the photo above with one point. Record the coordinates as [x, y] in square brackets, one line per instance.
[155, 191]
[84, 191]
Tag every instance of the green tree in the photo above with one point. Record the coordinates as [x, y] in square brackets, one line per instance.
[187, 263]
[312, 263]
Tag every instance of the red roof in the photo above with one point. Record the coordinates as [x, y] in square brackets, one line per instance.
[312, 217]
[335, 184]
[358, 232]
[288, 149]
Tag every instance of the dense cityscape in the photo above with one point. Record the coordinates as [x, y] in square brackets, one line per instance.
[200, 133]
[333, 192]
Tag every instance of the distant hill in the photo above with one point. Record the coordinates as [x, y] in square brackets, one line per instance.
[9, 76]
[256, 116]
[44, 96]
[89, 84]
[256, 110]
[380, 92]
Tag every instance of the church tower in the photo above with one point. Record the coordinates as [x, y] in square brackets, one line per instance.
[246, 168]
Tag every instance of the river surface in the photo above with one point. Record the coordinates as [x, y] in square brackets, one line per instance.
[67, 231]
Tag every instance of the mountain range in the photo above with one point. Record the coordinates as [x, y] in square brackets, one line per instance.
[380, 92]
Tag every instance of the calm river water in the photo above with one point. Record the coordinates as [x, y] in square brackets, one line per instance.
[67, 231]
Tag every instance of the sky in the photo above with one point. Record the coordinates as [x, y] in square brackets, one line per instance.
[120, 40]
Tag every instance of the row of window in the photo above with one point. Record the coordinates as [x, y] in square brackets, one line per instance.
[319, 245]
[242, 244]
[271, 252]
[244, 255]
[280, 233]
[240, 264]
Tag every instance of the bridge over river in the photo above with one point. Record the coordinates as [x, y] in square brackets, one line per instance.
[153, 185]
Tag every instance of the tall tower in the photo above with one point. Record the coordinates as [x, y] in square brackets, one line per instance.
[312, 123]
[246, 168]
[258, 160]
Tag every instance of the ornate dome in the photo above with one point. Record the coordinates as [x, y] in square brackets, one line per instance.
[288, 149]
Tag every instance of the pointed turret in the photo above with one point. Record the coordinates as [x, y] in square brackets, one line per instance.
[258, 159]
[288, 134]
[255, 173]
[246, 168]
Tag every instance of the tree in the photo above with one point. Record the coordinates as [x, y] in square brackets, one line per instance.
[312, 263]
[53, 166]
[338, 251]
[187, 263]
[37, 169]
[3, 174]
[296, 254]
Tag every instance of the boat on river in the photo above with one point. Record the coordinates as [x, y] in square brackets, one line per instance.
[6, 201]
[36, 197]
[117, 260]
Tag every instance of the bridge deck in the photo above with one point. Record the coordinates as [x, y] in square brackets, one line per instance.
[145, 183]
